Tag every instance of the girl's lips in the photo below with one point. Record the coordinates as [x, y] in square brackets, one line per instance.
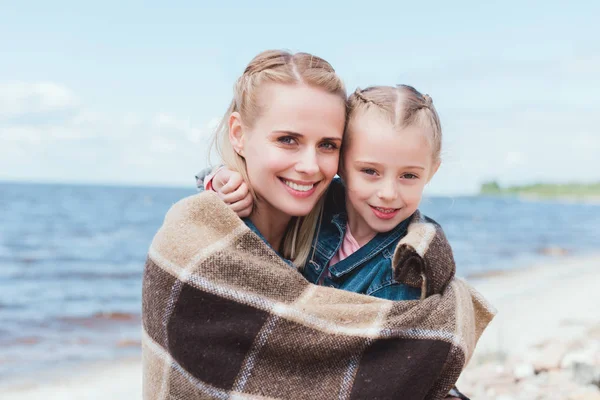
[384, 215]
[299, 193]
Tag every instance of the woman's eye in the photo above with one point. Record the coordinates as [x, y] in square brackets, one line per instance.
[369, 171]
[286, 140]
[329, 146]
[410, 176]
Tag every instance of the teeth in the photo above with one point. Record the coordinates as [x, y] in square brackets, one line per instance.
[385, 210]
[300, 188]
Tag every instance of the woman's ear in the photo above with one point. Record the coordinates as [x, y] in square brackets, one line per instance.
[236, 133]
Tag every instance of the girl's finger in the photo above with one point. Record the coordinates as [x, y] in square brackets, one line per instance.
[241, 205]
[239, 194]
[234, 182]
[245, 212]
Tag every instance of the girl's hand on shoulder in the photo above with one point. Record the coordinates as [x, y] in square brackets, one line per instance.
[231, 188]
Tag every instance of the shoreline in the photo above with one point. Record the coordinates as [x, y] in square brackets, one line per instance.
[550, 300]
[562, 199]
[115, 379]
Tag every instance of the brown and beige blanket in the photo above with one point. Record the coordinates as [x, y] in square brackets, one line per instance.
[225, 318]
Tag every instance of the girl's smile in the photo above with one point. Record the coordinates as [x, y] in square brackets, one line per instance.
[384, 213]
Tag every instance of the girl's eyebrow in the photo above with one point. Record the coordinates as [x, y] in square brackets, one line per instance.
[376, 164]
[373, 163]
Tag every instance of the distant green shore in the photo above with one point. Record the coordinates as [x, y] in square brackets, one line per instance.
[573, 191]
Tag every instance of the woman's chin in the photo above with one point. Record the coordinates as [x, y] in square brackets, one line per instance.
[299, 211]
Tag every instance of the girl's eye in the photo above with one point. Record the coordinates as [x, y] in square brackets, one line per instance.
[287, 140]
[369, 171]
[329, 146]
[410, 176]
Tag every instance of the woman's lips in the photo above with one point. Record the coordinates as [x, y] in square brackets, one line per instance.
[300, 189]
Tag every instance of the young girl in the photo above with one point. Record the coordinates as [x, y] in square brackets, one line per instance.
[391, 151]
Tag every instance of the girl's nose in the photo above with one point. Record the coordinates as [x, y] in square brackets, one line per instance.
[388, 192]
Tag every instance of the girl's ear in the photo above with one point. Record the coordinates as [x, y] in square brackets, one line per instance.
[236, 133]
[434, 169]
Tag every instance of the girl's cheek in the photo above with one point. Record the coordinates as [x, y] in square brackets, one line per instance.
[416, 194]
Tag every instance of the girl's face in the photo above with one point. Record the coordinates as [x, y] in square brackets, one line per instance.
[385, 171]
[292, 150]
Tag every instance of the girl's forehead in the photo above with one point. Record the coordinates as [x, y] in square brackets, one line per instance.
[371, 119]
[374, 137]
[377, 128]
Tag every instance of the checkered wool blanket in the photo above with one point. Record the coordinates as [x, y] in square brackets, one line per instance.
[225, 318]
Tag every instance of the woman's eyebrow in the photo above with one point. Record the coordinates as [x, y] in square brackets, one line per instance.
[291, 133]
[298, 135]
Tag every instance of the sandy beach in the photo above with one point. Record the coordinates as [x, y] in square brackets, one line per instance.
[554, 301]
[117, 380]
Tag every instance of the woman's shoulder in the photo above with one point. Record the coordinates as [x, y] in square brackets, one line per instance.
[203, 209]
[195, 222]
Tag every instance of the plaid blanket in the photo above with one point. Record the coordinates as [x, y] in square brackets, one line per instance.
[224, 317]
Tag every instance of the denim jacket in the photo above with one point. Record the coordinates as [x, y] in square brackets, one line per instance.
[369, 269]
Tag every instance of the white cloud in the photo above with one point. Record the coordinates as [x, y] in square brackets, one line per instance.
[86, 145]
[19, 99]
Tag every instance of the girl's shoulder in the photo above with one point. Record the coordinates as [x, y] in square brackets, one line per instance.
[422, 223]
[424, 252]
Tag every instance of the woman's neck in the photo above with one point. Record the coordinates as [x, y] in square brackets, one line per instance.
[270, 223]
[361, 231]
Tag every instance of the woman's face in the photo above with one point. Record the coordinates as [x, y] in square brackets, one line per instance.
[292, 150]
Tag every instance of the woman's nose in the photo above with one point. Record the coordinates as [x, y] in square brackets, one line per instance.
[308, 163]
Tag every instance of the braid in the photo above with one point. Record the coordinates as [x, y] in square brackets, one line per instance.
[267, 60]
[359, 95]
[417, 100]
[428, 100]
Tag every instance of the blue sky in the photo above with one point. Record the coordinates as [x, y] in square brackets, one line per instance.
[128, 93]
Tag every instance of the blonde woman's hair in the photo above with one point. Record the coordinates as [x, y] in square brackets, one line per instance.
[277, 66]
[403, 105]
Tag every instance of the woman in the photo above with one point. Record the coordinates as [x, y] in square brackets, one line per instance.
[225, 315]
